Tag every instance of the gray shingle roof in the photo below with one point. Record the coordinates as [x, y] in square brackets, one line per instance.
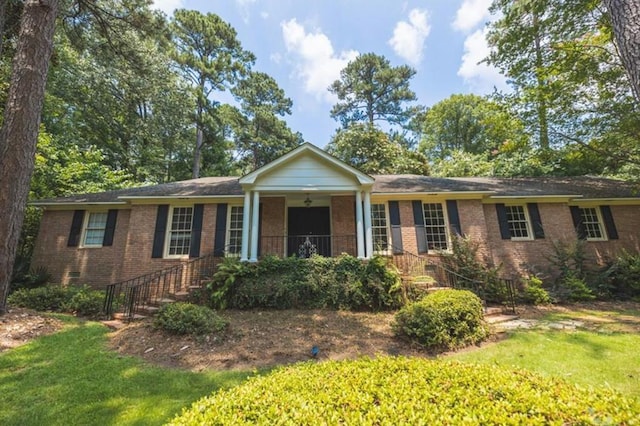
[585, 186]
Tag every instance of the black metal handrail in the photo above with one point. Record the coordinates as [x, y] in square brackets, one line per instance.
[130, 296]
[412, 264]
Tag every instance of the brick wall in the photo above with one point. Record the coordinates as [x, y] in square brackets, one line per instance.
[96, 266]
[343, 224]
[272, 226]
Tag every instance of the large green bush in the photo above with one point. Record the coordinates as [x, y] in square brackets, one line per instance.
[342, 282]
[79, 300]
[187, 318]
[622, 277]
[445, 319]
[403, 391]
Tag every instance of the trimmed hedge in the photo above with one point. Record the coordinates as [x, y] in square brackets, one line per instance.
[187, 318]
[81, 301]
[342, 282]
[445, 319]
[407, 391]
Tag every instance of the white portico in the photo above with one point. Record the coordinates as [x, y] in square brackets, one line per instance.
[304, 176]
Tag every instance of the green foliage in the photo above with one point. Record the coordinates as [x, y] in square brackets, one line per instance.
[187, 318]
[533, 293]
[26, 277]
[47, 298]
[569, 261]
[443, 320]
[281, 283]
[403, 391]
[622, 276]
[79, 300]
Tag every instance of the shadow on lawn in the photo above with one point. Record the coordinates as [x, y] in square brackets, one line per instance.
[71, 378]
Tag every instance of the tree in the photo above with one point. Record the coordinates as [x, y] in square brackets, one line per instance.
[212, 60]
[370, 90]
[260, 136]
[468, 123]
[370, 150]
[19, 133]
[625, 17]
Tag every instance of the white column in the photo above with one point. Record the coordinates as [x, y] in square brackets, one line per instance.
[255, 226]
[368, 233]
[359, 228]
[246, 212]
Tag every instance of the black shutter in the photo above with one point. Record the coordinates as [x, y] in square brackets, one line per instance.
[501, 210]
[576, 215]
[534, 215]
[76, 228]
[196, 230]
[159, 233]
[421, 232]
[610, 226]
[110, 228]
[396, 230]
[221, 230]
[454, 217]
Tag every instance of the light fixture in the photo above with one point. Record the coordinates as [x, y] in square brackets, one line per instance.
[307, 201]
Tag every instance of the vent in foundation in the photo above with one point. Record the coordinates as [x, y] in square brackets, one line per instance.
[74, 275]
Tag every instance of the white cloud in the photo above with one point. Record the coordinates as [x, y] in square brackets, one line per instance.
[479, 76]
[470, 14]
[168, 6]
[408, 37]
[318, 64]
[244, 8]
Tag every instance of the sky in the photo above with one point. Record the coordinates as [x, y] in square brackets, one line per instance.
[303, 45]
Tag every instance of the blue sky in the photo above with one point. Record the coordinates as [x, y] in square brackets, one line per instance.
[304, 44]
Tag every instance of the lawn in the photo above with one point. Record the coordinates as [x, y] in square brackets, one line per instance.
[601, 351]
[71, 378]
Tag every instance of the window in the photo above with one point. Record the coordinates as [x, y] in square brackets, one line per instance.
[180, 231]
[518, 221]
[435, 226]
[592, 223]
[379, 228]
[95, 226]
[234, 231]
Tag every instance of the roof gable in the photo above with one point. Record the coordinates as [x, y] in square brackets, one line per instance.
[306, 167]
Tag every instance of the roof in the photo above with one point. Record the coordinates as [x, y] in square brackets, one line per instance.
[586, 187]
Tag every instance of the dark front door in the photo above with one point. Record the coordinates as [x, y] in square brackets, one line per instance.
[309, 230]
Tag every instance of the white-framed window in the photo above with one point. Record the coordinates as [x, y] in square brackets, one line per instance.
[380, 228]
[436, 227]
[234, 231]
[519, 223]
[593, 225]
[179, 231]
[95, 224]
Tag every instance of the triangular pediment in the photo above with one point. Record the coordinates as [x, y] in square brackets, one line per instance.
[306, 168]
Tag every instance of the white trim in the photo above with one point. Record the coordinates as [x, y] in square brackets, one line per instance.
[447, 226]
[244, 252]
[167, 235]
[601, 225]
[387, 227]
[255, 226]
[359, 226]
[85, 224]
[227, 235]
[528, 225]
[368, 234]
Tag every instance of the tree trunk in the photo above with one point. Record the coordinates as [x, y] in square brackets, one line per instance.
[625, 17]
[19, 133]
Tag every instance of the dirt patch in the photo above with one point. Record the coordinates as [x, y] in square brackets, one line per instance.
[19, 326]
[260, 339]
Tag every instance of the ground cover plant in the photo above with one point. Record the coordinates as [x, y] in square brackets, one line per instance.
[407, 391]
[79, 300]
[72, 378]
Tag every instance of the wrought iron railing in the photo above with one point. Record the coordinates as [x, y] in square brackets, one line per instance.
[411, 264]
[307, 245]
[132, 296]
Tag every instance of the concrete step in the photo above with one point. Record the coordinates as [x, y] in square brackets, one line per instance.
[122, 317]
[181, 295]
[496, 319]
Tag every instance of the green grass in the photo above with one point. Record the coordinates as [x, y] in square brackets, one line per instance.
[71, 378]
[598, 358]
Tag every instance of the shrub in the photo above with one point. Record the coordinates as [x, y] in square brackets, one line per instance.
[574, 280]
[445, 319]
[343, 282]
[84, 302]
[390, 391]
[47, 298]
[622, 276]
[533, 293]
[187, 318]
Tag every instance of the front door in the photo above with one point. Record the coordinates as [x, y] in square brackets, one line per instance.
[309, 230]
